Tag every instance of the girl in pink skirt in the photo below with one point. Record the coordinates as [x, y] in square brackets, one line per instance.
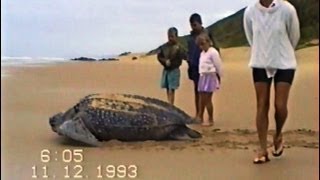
[210, 77]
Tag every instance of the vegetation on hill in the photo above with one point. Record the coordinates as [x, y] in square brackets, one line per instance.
[229, 32]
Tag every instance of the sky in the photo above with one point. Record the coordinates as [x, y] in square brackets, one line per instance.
[72, 28]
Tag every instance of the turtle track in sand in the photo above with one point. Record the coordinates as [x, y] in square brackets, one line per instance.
[214, 139]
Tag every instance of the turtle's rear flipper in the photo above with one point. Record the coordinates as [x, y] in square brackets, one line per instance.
[76, 130]
[184, 133]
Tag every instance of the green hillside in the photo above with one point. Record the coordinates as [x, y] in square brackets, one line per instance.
[229, 31]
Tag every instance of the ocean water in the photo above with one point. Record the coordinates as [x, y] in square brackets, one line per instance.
[29, 61]
[40, 61]
[35, 61]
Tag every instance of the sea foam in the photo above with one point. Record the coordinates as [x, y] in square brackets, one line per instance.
[27, 61]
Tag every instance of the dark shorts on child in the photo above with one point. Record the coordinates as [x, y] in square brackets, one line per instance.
[282, 75]
[193, 74]
[170, 79]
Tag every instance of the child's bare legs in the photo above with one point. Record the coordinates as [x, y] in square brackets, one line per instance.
[201, 106]
[207, 102]
[170, 96]
[210, 108]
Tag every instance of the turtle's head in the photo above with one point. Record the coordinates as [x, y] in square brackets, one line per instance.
[56, 120]
[73, 128]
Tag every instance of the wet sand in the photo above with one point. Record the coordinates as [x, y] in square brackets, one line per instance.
[30, 95]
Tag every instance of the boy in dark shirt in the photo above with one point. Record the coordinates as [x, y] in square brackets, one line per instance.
[170, 56]
[194, 55]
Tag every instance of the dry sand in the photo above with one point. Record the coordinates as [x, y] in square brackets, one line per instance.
[30, 95]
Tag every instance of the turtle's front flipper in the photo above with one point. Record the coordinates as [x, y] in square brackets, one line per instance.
[76, 129]
[184, 133]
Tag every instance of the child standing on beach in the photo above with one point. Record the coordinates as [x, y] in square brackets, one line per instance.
[194, 52]
[170, 56]
[210, 71]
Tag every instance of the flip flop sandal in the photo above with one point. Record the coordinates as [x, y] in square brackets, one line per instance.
[278, 152]
[261, 160]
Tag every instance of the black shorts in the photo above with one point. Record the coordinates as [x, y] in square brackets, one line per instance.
[193, 74]
[282, 75]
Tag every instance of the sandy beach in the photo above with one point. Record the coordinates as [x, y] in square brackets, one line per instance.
[30, 95]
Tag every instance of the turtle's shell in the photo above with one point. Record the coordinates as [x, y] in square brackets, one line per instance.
[122, 117]
[113, 115]
[128, 110]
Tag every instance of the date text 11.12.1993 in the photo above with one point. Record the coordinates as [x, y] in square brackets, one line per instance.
[77, 170]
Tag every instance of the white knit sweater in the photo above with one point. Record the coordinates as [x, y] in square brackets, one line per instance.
[210, 62]
[273, 33]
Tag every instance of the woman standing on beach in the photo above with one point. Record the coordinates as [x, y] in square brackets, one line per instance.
[272, 30]
[194, 56]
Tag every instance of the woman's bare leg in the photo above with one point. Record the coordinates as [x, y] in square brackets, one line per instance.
[282, 90]
[263, 97]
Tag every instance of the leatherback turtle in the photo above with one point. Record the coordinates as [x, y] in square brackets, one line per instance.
[102, 117]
